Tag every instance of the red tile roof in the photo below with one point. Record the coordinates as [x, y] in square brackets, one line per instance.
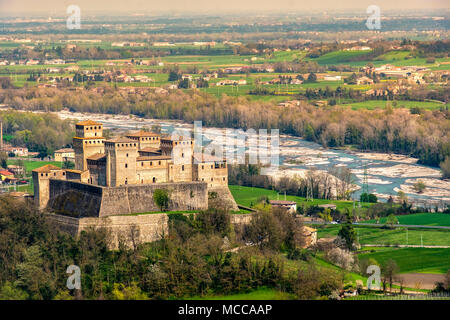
[6, 173]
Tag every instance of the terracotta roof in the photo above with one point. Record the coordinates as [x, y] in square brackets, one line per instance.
[121, 140]
[143, 134]
[282, 202]
[64, 150]
[96, 156]
[201, 157]
[6, 173]
[89, 123]
[153, 158]
[47, 168]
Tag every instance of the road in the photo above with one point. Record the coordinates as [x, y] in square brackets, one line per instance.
[381, 225]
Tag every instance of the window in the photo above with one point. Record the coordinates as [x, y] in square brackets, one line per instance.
[126, 165]
[154, 179]
[142, 164]
[182, 167]
[127, 155]
[159, 162]
[182, 155]
[203, 167]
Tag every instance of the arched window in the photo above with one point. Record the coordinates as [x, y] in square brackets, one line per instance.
[154, 179]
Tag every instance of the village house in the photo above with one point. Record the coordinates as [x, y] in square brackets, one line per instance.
[16, 170]
[364, 80]
[290, 206]
[66, 154]
[6, 175]
[18, 151]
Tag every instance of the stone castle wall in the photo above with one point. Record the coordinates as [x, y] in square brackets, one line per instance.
[130, 230]
[79, 200]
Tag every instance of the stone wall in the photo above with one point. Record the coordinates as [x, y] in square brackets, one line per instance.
[84, 200]
[130, 230]
[75, 199]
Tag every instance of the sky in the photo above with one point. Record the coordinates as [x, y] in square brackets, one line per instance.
[58, 7]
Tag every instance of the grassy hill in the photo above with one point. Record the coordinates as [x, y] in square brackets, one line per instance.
[425, 219]
[423, 260]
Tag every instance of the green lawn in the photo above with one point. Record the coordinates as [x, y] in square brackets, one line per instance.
[398, 236]
[423, 260]
[31, 165]
[424, 219]
[248, 196]
[372, 104]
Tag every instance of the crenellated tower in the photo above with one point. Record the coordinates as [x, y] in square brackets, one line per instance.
[88, 141]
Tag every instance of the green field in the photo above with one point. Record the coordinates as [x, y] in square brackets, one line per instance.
[423, 219]
[248, 196]
[258, 294]
[398, 236]
[373, 104]
[421, 260]
[31, 165]
[338, 57]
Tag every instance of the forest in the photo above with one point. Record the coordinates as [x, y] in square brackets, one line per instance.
[195, 260]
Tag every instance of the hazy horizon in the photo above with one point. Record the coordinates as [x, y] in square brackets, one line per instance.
[108, 7]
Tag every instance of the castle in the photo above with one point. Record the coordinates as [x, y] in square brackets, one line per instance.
[119, 176]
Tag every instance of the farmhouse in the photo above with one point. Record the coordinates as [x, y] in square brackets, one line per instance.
[66, 154]
[290, 206]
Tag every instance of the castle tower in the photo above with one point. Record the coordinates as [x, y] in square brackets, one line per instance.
[41, 183]
[147, 140]
[181, 150]
[88, 141]
[121, 155]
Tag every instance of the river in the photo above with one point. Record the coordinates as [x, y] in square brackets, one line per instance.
[386, 173]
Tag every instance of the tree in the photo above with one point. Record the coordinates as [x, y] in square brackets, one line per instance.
[174, 76]
[391, 221]
[351, 79]
[68, 165]
[371, 198]
[312, 78]
[389, 270]
[445, 167]
[161, 198]
[419, 186]
[3, 160]
[347, 232]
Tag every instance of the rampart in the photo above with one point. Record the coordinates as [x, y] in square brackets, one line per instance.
[80, 200]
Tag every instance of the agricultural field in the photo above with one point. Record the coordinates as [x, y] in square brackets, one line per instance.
[398, 236]
[248, 196]
[373, 104]
[417, 260]
[423, 219]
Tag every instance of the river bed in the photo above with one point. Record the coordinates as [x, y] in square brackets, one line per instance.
[386, 173]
